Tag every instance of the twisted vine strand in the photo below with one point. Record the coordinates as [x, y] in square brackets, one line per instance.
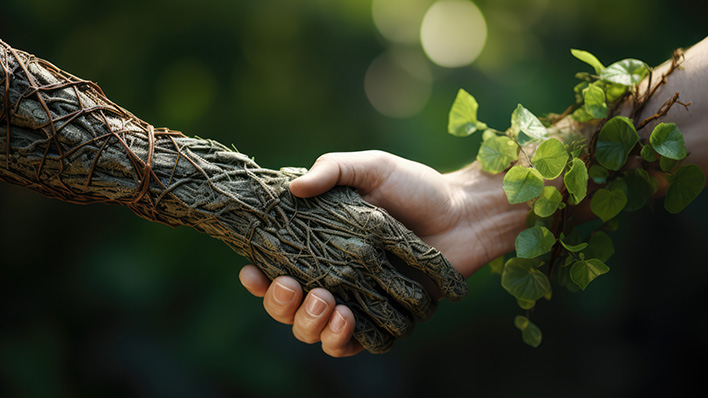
[60, 136]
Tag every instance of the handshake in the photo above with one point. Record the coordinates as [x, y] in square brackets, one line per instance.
[64, 139]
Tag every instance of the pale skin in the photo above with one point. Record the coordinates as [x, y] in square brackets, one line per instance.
[464, 214]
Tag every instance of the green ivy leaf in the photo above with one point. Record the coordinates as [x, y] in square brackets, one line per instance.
[462, 120]
[600, 247]
[595, 105]
[530, 333]
[615, 142]
[533, 242]
[668, 165]
[626, 72]
[550, 158]
[496, 153]
[607, 204]
[521, 184]
[667, 141]
[582, 115]
[583, 272]
[648, 153]
[563, 278]
[640, 187]
[588, 59]
[576, 181]
[686, 185]
[523, 120]
[614, 92]
[578, 89]
[497, 265]
[488, 134]
[598, 174]
[522, 280]
[574, 248]
[525, 304]
[547, 203]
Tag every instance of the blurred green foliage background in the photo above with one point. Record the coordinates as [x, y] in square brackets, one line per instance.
[97, 302]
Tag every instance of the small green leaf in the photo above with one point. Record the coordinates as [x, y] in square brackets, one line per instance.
[614, 92]
[497, 265]
[607, 204]
[598, 174]
[574, 248]
[462, 120]
[600, 247]
[640, 187]
[583, 272]
[588, 59]
[525, 304]
[595, 105]
[668, 165]
[648, 153]
[523, 120]
[576, 181]
[521, 184]
[582, 115]
[627, 72]
[522, 280]
[550, 158]
[488, 134]
[547, 203]
[667, 141]
[496, 153]
[615, 142]
[563, 277]
[578, 89]
[687, 184]
[530, 333]
[533, 242]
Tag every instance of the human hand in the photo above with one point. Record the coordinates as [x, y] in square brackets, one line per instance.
[463, 214]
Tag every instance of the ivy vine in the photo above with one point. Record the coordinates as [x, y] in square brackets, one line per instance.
[551, 166]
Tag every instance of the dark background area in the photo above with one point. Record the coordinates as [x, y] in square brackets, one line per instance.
[97, 302]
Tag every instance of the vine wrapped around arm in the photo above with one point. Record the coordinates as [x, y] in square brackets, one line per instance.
[60, 136]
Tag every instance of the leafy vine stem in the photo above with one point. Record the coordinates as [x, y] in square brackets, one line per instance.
[564, 179]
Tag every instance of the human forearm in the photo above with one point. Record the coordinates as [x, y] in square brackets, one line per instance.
[689, 81]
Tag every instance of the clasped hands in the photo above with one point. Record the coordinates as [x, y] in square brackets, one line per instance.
[464, 214]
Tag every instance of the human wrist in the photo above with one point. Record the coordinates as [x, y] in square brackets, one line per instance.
[480, 198]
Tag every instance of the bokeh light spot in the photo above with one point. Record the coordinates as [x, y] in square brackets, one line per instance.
[398, 83]
[453, 33]
[399, 20]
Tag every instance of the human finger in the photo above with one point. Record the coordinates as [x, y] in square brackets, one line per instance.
[363, 170]
[282, 299]
[254, 280]
[312, 316]
[337, 338]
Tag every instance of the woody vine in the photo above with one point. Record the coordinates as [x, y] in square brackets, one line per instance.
[563, 163]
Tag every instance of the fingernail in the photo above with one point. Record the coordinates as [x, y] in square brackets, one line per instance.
[283, 294]
[337, 323]
[315, 306]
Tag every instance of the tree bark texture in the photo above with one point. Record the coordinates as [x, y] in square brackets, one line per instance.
[60, 136]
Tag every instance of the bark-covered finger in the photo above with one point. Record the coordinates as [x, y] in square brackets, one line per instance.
[410, 294]
[373, 262]
[416, 253]
[382, 312]
[371, 337]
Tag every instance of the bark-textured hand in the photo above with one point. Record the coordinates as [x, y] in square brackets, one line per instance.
[60, 136]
